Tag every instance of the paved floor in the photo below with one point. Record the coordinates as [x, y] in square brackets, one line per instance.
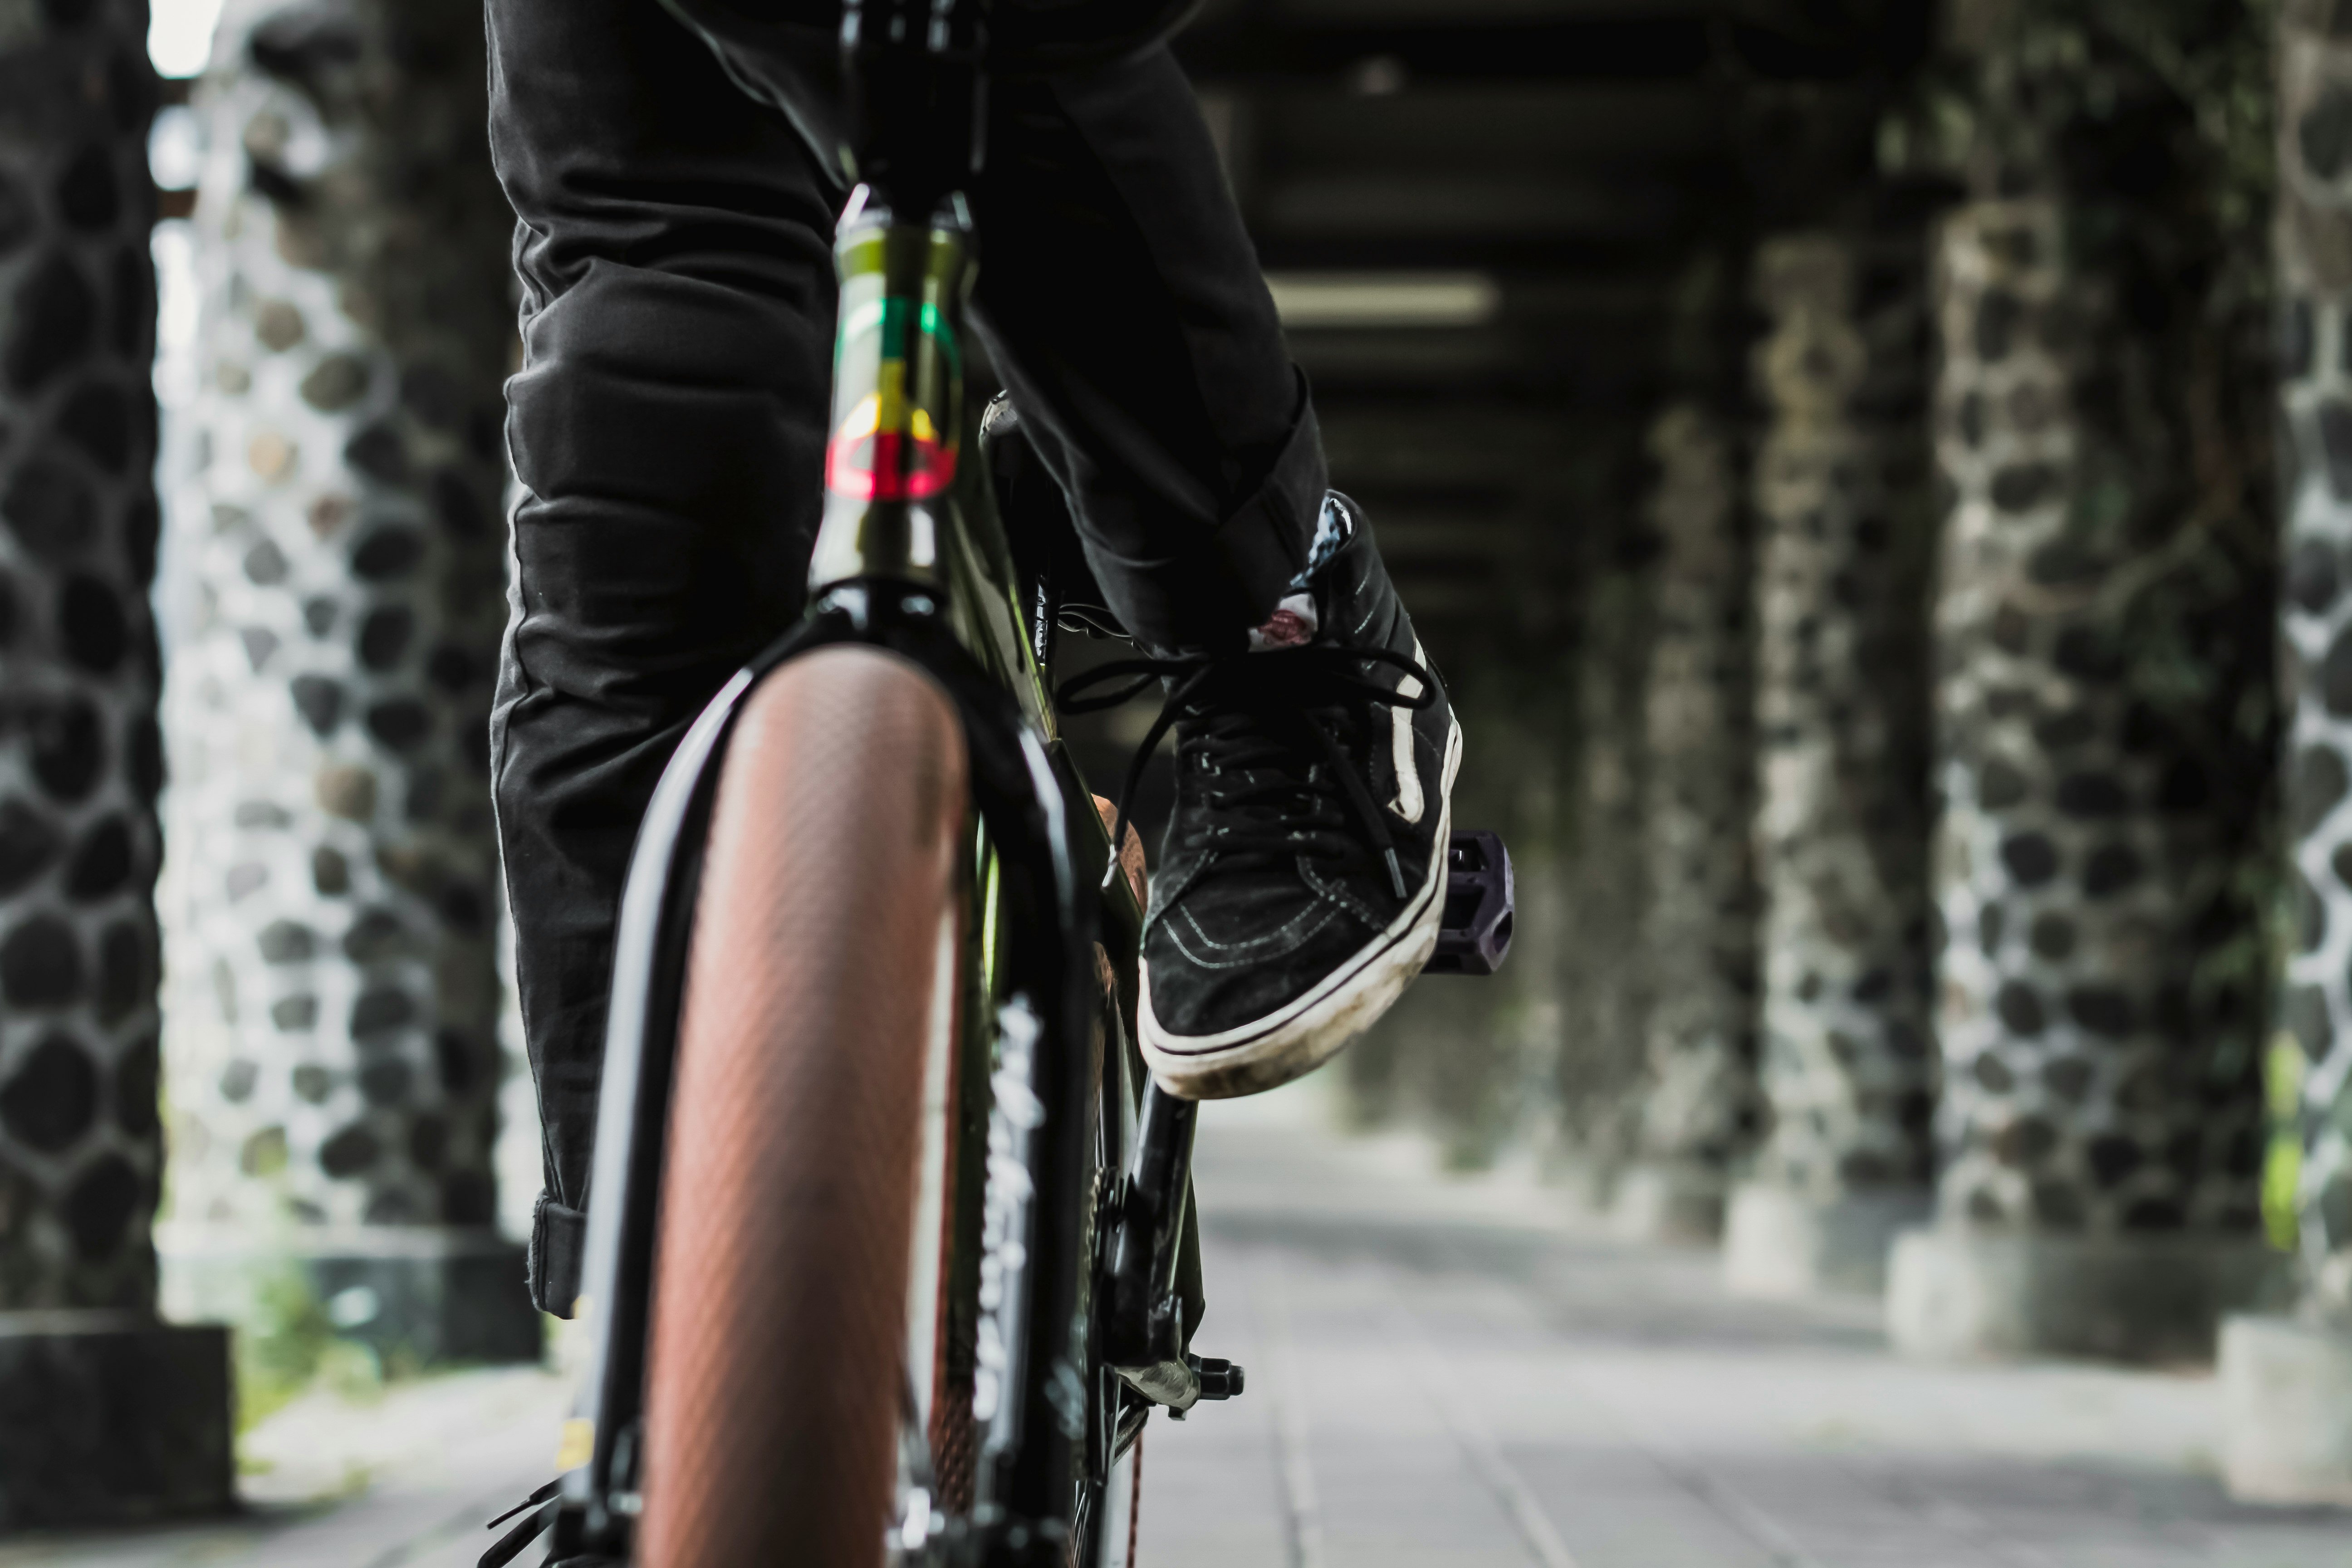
[1448, 1374]
[1443, 1375]
[406, 1482]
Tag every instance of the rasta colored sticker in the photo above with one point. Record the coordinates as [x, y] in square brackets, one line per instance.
[896, 442]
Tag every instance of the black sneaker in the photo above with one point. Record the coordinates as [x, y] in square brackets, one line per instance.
[1302, 879]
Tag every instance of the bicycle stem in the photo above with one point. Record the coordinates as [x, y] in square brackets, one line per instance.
[917, 97]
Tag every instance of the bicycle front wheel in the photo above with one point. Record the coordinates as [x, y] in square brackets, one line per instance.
[820, 1007]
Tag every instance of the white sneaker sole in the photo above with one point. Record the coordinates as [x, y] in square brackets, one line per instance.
[1305, 1033]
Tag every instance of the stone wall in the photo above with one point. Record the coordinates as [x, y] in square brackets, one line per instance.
[2079, 840]
[2105, 638]
[2314, 246]
[106, 1414]
[1843, 528]
[333, 959]
[81, 1152]
[2101, 1094]
[2286, 1382]
[1699, 1106]
[1604, 975]
[1469, 1061]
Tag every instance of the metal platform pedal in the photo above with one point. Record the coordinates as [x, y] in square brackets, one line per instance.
[1474, 934]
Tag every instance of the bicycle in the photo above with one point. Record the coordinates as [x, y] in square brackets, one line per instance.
[891, 1253]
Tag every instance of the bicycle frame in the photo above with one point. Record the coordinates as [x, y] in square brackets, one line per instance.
[911, 556]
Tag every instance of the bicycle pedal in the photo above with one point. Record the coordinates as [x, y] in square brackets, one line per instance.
[1179, 1384]
[1219, 1379]
[1473, 933]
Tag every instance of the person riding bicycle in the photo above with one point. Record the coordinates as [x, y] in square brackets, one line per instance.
[676, 194]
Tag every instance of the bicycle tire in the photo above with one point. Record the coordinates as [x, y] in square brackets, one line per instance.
[824, 927]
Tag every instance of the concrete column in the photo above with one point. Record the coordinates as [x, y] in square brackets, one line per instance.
[106, 1414]
[2101, 1125]
[334, 900]
[1604, 975]
[1699, 1102]
[1471, 1058]
[2286, 1381]
[1843, 530]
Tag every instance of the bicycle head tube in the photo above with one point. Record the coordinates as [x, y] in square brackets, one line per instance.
[904, 251]
[896, 446]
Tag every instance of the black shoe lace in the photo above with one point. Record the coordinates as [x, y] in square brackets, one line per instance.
[1251, 718]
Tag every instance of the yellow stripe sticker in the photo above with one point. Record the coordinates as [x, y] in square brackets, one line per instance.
[579, 1444]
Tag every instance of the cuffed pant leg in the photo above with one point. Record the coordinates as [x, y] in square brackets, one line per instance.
[666, 426]
[1123, 304]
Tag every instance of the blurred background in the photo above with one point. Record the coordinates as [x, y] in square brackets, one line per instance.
[1877, 477]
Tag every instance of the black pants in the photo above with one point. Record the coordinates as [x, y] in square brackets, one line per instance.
[674, 243]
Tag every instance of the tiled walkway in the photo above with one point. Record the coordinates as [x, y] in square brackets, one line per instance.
[404, 1483]
[1448, 1375]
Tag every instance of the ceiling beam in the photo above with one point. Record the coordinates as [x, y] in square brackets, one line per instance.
[1382, 46]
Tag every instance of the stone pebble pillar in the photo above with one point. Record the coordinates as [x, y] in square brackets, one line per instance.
[2101, 1129]
[1840, 495]
[1698, 1103]
[2286, 1381]
[107, 1416]
[334, 900]
[1599, 1071]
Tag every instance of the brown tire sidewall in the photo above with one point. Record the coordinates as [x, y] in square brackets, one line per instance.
[778, 1334]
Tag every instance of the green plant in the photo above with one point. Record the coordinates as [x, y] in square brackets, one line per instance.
[2283, 1070]
[279, 1345]
[286, 1346]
